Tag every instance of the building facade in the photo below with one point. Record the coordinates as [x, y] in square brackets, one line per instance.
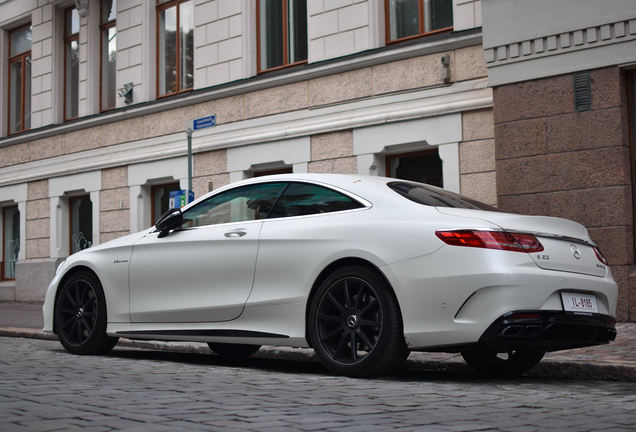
[563, 108]
[95, 95]
[331, 91]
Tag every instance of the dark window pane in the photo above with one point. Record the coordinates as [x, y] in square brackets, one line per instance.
[109, 65]
[303, 199]
[438, 14]
[72, 79]
[186, 41]
[15, 96]
[242, 204]
[11, 240]
[161, 199]
[168, 51]
[20, 41]
[271, 37]
[81, 223]
[404, 18]
[297, 30]
[109, 10]
[431, 196]
[425, 168]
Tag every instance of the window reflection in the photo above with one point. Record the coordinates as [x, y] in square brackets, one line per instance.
[277, 47]
[176, 46]
[81, 210]
[11, 240]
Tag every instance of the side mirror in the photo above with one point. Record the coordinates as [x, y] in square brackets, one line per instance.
[168, 221]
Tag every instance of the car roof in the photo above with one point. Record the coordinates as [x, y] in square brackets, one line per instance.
[364, 186]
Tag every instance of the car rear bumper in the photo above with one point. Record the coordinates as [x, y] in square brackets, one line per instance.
[541, 330]
[551, 331]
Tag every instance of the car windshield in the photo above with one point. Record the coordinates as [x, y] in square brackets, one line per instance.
[436, 197]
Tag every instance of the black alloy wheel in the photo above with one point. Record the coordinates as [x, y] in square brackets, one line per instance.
[233, 350]
[355, 324]
[506, 363]
[80, 316]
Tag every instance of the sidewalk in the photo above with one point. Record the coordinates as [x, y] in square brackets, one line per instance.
[616, 361]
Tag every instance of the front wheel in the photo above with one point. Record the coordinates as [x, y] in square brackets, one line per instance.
[80, 316]
[512, 362]
[355, 324]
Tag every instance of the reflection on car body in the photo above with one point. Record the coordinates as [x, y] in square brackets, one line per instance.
[362, 269]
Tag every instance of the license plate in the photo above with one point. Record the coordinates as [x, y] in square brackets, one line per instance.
[579, 303]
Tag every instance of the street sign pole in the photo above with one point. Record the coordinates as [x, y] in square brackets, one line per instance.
[191, 126]
[189, 134]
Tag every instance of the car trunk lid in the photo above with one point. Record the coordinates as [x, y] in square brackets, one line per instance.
[567, 244]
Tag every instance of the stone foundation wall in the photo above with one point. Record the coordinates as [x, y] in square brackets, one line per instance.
[553, 161]
[114, 204]
[38, 220]
[477, 156]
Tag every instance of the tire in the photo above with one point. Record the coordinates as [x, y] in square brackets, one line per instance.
[233, 350]
[80, 316]
[507, 363]
[355, 324]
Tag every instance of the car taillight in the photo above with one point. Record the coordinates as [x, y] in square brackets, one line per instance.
[501, 240]
[600, 256]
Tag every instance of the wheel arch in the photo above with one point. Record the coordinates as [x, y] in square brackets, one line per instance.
[334, 266]
[63, 280]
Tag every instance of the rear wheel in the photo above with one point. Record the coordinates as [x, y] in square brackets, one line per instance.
[233, 350]
[513, 362]
[80, 316]
[355, 324]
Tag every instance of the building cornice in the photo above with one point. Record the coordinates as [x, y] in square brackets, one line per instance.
[469, 95]
[576, 50]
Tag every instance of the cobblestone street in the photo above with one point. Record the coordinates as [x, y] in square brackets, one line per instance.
[43, 388]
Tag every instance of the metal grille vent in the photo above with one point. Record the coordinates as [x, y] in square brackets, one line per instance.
[582, 92]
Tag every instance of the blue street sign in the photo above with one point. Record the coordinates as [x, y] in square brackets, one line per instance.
[204, 122]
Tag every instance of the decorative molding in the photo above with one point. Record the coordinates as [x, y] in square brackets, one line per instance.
[551, 45]
[464, 96]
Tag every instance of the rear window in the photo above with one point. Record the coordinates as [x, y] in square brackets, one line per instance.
[436, 197]
[301, 199]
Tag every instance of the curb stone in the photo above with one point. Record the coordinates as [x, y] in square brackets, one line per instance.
[545, 369]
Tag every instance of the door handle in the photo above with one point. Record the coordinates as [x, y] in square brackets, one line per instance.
[236, 233]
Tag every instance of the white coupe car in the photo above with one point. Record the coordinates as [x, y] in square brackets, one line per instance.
[362, 269]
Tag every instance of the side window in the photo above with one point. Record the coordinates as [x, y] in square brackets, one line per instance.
[305, 199]
[236, 205]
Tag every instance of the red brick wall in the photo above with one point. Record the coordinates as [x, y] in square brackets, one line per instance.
[555, 162]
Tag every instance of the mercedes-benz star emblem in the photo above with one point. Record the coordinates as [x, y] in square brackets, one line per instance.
[352, 321]
[575, 251]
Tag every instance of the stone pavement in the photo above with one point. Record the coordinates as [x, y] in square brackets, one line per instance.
[616, 361]
[45, 389]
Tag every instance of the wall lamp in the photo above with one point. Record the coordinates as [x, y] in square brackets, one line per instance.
[446, 73]
[127, 93]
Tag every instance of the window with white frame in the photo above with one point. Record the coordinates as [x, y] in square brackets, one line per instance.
[10, 242]
[281, 33]
[81, 214]
[175, 56]
[20, 79]
[108, 62]
[408, 19]
[423, 167]
[71, 63]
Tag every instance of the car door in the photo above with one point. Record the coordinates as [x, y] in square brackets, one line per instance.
[204, 270]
